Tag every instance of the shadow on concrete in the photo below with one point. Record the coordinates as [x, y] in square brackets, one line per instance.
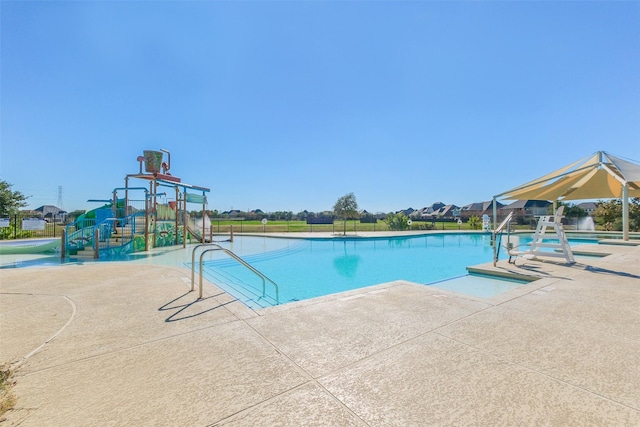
[600, 270]
[179, 315]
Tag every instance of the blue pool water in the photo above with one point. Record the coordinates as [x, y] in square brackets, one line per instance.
[306, 269]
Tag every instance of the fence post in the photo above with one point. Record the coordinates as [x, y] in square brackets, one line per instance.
[96, 243]
[63, 244]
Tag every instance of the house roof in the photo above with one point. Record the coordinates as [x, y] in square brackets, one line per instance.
[407, 212]
[525, 204]
[481, 206]
[446, 210]
[49, 210]
[588, 205]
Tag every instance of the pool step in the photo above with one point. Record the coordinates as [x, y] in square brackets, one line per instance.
[247, 293]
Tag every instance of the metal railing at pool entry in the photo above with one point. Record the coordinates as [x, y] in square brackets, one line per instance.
[506, 223]
[216, 247]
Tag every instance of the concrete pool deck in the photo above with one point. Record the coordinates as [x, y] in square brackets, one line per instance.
[124, 344]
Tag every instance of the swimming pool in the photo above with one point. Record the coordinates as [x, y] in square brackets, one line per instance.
[308, 268]
[305, 269]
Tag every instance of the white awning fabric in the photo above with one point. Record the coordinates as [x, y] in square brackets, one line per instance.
[599, 176]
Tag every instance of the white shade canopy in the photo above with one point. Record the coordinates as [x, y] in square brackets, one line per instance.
[599, 176]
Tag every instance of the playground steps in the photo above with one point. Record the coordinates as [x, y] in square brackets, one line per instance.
[126, 232]
[84, 253]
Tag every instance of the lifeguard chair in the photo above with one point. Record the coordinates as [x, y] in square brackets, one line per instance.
[541, 240]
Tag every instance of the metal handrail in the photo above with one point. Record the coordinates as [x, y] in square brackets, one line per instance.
[193, 264]
[109, 225]
[82, 235]
[498, 231]
[234, 256]
[504, 223]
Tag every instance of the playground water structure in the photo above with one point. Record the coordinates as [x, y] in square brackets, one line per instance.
[135, 218]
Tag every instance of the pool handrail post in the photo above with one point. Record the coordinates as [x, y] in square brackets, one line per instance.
[219, 248]
[193, 265]
[200, 287]
[496, 232]
[234, 256]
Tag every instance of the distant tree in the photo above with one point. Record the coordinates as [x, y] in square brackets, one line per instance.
[72, 216]
[281, 216]
[573, 210]
[346, 208]
[397, 222]
[634, 214]
[609, 215]
[10, 201]
[474, 222]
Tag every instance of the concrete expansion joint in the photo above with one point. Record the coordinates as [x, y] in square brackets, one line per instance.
[74, 308]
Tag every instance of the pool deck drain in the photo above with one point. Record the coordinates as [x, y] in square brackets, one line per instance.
[123, 344]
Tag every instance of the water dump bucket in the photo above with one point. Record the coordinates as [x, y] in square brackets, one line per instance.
[152, 161]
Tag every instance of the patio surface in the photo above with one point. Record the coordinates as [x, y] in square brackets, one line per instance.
[115, 344]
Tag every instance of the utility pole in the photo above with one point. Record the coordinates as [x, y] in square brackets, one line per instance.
[60, 204]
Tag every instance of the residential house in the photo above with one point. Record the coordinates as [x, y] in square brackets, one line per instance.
[527, 208]
[589, 207]
[407, 212]
[428, 212]
[447, 212]
[232, 213]
[51, 213]
[478, 209]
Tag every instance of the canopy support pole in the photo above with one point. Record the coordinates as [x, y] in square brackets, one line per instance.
[495, 213]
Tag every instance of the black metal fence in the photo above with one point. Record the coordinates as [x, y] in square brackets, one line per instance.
[24, 226]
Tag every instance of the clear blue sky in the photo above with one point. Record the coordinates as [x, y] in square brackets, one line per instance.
[287, 105]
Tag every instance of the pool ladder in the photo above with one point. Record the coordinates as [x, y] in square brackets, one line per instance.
[216, 247]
